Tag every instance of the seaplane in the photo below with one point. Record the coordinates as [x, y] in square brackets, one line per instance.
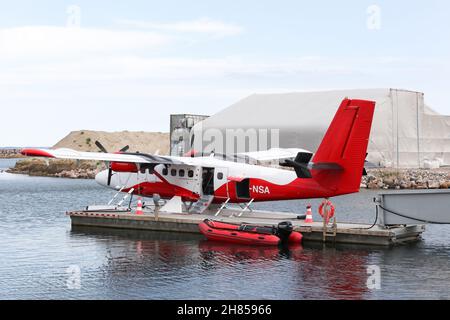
[335, 169]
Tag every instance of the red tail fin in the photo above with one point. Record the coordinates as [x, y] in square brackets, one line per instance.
[339, 161]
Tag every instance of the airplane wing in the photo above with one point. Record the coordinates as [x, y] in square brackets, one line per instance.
[275, 154]
[268, 155]
[100, 156]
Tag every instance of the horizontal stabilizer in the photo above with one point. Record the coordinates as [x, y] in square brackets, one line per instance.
[300, 165]
[327, 166]
[303, 157]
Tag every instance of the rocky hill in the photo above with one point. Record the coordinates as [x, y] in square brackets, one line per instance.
[146, 142]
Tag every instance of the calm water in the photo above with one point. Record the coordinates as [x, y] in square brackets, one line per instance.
[37, 246]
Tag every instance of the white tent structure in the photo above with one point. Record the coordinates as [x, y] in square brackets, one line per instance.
[405, 132]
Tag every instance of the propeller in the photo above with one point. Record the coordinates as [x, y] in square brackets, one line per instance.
[103, 149]
[124, 149]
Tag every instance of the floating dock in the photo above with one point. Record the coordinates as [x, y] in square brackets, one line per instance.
[349, 233]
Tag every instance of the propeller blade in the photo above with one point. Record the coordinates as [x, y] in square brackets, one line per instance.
[125, 149]
[101, 147]
[110, 173]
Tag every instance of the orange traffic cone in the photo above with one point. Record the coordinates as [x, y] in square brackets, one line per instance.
[139, 206]
[309, 218]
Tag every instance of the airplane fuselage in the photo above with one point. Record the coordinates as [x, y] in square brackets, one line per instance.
[238, 182]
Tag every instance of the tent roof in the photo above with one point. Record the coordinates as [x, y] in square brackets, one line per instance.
[300, 108]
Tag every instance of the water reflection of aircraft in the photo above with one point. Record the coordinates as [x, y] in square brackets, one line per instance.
[343, 270]
[335, 169]
[317, 274]
[314, 272]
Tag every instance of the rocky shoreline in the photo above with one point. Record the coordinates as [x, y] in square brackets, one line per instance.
[10, 153]
[58, 168]
[11, 156]
[407, 179]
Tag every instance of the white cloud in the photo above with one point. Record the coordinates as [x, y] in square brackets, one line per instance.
[36, 42]
[130, 67]
[208, 26]
[121, 66]
[94, 70]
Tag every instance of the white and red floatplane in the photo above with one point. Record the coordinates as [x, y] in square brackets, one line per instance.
[336, 168]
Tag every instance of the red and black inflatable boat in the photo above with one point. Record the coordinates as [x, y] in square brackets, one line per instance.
[250, 235]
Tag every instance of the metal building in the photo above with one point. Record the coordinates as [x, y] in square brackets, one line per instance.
[180, 130]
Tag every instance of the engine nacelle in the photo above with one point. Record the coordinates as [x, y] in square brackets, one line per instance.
[124, 167]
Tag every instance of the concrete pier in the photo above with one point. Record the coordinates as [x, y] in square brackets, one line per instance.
[188, 223]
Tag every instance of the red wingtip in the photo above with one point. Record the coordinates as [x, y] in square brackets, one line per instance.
[36, 153]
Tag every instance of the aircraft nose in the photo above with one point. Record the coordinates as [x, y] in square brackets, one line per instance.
[102, 178]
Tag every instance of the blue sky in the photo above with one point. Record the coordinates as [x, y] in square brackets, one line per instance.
[126, 65]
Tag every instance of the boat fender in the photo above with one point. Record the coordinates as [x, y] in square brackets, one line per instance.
[295, 238]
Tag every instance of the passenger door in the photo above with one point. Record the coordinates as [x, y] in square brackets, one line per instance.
[221, 183]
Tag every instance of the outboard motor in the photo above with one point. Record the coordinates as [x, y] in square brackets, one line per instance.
[284, 231]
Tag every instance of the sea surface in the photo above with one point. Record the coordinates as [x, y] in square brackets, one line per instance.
[42, 257]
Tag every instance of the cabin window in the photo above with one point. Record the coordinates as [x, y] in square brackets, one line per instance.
[173, 172]
[181, 173]
[190, 173]
[165, 172]
[220, 176]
